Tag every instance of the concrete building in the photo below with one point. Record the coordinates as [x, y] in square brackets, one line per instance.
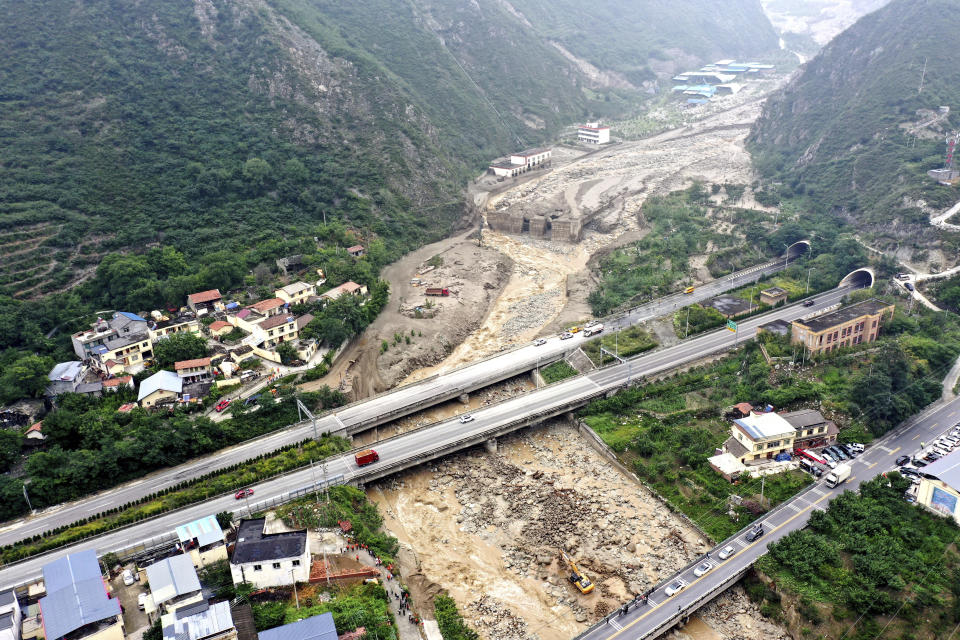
[203, 540]
[269, 559]
[357, 251]
[205, 302]
[193, 371]
[166, 324]
[347, 288]
[760, 436]
[296, 293]
[220, 328]
[844, 327]
[593, 133]
[11, 617]
[124, 339]
[65, 377]
[319, 627]
[939, 488]
[115, 384]
[270, 307]
[173, 584]
[163, 387]
[521, 162]
[77, 605]
[773, 296]
[812, 429]
[199, 621]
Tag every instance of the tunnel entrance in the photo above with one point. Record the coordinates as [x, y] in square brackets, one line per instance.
[859, 278]
[797, 249]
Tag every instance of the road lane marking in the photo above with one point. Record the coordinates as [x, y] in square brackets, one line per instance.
[772, 529]
[883, 448]
[613, 623]
[871, 466]
[915, 437]
[895, 450]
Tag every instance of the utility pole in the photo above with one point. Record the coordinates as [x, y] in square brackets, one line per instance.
[27, 498]
[923, 74]
[686, 332]
[808, 279]
[294, 579]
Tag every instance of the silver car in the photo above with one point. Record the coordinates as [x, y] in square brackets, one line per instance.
[702, 569]
[566, 335]
[726, 552]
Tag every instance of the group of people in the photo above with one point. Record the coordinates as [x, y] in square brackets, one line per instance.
[403, 594]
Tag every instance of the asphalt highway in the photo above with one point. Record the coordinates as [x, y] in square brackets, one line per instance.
[369, 412]
[433, 440]
[653, 618]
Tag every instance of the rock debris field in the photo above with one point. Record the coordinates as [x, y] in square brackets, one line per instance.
[488, 528]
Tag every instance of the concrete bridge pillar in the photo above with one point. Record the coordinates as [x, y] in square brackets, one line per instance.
[611, 393]
[490, 445]
[464, 398]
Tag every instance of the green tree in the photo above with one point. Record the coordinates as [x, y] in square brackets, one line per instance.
[179, 346]
[26, 377]
[10, 442]
[287, 352]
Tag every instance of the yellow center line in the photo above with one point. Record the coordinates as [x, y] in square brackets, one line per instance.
[871, 466]
[915, 437]
[894, 451]
[752, 544]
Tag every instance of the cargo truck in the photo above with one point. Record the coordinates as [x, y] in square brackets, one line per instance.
[365, 457]
[437, 291]
[593, 330]
[838, 475]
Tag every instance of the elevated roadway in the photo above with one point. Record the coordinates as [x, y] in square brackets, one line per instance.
[418, 446]
[372, 412]
[661, 613]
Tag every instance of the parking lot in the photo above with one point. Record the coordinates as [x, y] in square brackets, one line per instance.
[134, 620]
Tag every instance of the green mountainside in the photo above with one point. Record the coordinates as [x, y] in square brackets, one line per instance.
[853, 135]
[638, 37]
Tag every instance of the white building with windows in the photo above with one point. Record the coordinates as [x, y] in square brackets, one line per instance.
[593, 133]
[269, 559]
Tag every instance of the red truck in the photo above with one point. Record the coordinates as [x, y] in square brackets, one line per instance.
[437, 291]
[365, 457]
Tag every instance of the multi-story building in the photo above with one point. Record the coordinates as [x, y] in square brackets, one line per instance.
[193, 371]
[760, 436]
[11, 617]
[203, 540]
[521, 162]
[65, 377]
[77, 605]
[593, 133]
[296, 292]
[124, 339]
[173, 584]
[269, 307]
[813, 430]
[269, 559]
[347, 288]
[844, 327]
[161, 325]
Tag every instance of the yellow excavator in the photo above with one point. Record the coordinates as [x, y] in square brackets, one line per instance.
[581, 581]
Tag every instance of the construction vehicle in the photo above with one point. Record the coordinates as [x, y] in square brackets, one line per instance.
[581, 581]
[437, 291]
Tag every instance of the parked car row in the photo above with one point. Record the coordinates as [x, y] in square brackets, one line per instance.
[832, 456]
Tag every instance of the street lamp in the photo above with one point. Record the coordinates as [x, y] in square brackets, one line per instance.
[808, 279]
[294, 579]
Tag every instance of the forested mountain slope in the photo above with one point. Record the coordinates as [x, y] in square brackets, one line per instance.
[854, 135]
[210, 125]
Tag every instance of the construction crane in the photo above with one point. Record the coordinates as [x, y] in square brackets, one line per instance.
[581, 581]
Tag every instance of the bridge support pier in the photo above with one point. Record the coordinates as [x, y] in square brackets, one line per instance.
[490, 445]
[610, 394]
[464, 398]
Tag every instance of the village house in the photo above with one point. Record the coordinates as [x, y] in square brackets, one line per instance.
[173, 584]
[65, 377]
[319, 627]
[115, 384]
[199, 621]
[296, 292]
[34, 435]
[521, 162]
[166, 324]
[124, 339]
[844, 327]
[220, 328]
[203, 541]
[347, 288]
[356, 251]
[593, 133]
[269, 559]
[76, 578]
[163, 387]
[760, 436]
[813, 430]
[269, 307]
[205, 302]
[11, 617]
[193, 371]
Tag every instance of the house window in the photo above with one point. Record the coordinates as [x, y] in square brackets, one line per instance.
[874, 324]
[257, 567]
[759, 447]
[276, 565]
[821, 429]
[296, 563]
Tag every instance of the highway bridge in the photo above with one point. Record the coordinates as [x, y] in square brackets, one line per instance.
[416, 447]
[371, 412]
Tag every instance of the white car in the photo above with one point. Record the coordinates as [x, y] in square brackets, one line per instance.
[726, 552]
[141, 601]
[539, 342]
[566, 335]
[465, 418]
[675, 587]
[592, 323]
[702, 569]
[127, 577]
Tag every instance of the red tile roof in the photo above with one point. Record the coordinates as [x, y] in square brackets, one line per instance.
[204, 296]
[266, 305]
[127, 408]
[37, 427]
[275, 321]
[219, 324]
[116, 382]
[189, 364]
[355, 248]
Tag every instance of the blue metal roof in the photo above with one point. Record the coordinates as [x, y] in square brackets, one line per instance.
[946, 469]
[76, 595]
[166, 380]
[131, 316]
[319, 627]
[206, 530]
[172, 577]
